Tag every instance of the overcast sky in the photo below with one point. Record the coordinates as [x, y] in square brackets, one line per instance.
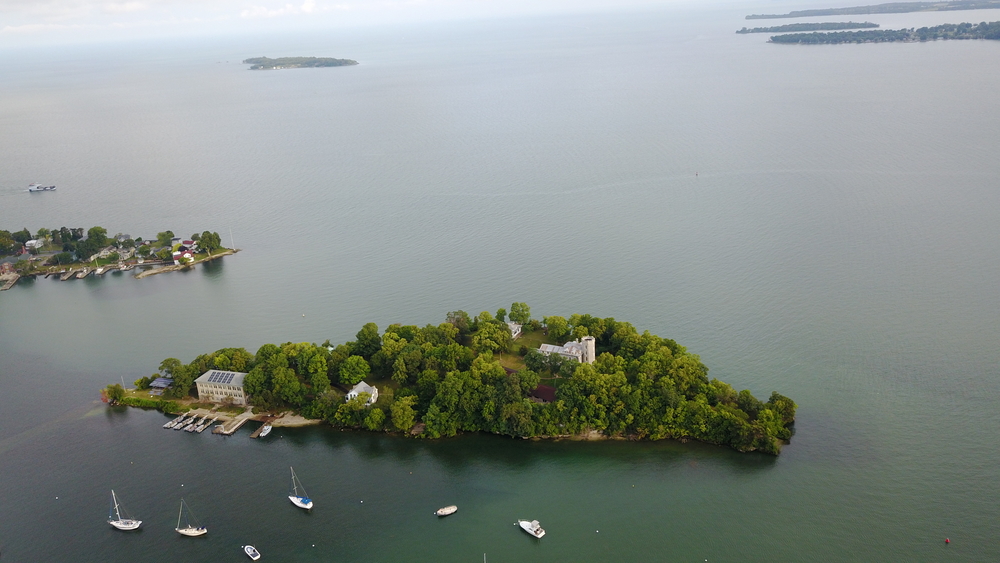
[44, 21]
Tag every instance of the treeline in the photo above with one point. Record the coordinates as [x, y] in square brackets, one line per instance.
[818, 26]
[889, 8]
[260, 63]
[947, 31]
[448, 378]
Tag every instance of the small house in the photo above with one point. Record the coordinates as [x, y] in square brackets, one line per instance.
[363, 388]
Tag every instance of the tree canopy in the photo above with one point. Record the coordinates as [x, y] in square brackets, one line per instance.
[641, 386]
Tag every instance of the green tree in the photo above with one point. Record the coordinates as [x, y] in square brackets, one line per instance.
[99, 235]
[402, 413]
[502, 315]
[375, 419]
[558, 327]
[209, 242]
[143, 251]
[520, 313]
[353, 413]
[22, 236]
[43, 234]
[368, 341]
[164, 238]
[113, 394]
[353, 370]
[164, 254]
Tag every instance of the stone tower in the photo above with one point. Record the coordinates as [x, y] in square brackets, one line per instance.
[589, 349]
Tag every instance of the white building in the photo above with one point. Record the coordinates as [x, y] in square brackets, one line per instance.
[34, 244]
[515, 329]
[363, 388]
[583, 350]
[216, 386]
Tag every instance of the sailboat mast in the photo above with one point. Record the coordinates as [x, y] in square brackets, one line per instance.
[114, 499]
[179, 513]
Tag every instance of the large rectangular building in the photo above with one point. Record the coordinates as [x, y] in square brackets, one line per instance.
[216, 386]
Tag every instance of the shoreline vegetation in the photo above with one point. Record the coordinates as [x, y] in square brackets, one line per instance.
[888, 8]
[817, 26]
[469, 374]
[948, 31]
[75, 253]
[264, 63]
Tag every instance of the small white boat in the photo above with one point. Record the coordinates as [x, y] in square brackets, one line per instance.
[251, 552]
[115, 516]
[41, 188]
[532, 527]
[173, 422]
[264, 430]
[301, 501]
[446, 511]
[190, 530]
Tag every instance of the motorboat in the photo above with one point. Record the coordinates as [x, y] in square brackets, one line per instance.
[41, 188]
[446, 511]
[265, 430]
[251, 552]
[115, 516]
[532, 527]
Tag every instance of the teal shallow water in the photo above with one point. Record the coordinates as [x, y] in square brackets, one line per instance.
[837, 245]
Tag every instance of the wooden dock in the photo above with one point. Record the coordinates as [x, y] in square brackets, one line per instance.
[66, 275]
[8, 281]
[267, 420]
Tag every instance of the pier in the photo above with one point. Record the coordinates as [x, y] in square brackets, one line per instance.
[229, 427]
[267, 420]
[8, 281]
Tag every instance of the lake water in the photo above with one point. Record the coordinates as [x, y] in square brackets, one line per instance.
[821, 221]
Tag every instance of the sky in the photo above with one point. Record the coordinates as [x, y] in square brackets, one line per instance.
[45, 21]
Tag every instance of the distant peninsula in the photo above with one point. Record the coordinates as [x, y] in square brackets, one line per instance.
[889, 8]
[576, 377]
[264, 63]
[818, 26]
[947, 31]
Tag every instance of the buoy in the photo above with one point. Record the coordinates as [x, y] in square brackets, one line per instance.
[946, 540]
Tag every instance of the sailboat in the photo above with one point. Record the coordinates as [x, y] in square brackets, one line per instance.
[189, 530]
[115, 516]
[301, 501]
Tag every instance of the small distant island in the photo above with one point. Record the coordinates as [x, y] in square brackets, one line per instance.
[581, 377]
[75, 253]
[943, 32]
[264, 63]
[818, 26]
[889, 8]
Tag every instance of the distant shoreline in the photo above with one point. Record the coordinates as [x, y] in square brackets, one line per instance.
[281, 63]
[888, 8]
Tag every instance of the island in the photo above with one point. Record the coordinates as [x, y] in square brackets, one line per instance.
[582, 377]
[75, 253]
[889, 8]
[817, 26]
[947, 31]
[264, 63]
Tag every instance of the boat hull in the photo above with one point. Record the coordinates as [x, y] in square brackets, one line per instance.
[301, 502]
[251, 552]
[125, 524]
[532, 528]
[191, 531]
[447, 511]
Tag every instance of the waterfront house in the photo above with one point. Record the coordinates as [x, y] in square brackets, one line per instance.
[182, 254]
[159, 385]
[515, 329]
[34, 244]
[363, 388]
[582, 350]
[219, 386]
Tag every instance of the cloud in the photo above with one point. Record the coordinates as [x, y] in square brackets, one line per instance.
[123, 7]
[307, 7]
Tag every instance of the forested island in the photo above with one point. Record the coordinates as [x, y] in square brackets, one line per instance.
[947, 31]
[469, 374]
[817, 26]
[889, 8]
[264, 63]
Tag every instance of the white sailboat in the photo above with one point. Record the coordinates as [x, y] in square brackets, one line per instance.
[115, 516]
[301, 501]
[532, 527]
[189, 529]
[251, 552]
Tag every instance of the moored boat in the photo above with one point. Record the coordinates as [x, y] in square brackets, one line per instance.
[532, 527]
[265, 430]
[251, 552]
[446, 511]
[190, 530]
[40, 188]
[115, 516]
[299, 500]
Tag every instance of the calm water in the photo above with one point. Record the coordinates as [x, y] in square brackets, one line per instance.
[819, 221]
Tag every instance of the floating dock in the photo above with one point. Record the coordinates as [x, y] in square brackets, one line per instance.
[228, 428]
